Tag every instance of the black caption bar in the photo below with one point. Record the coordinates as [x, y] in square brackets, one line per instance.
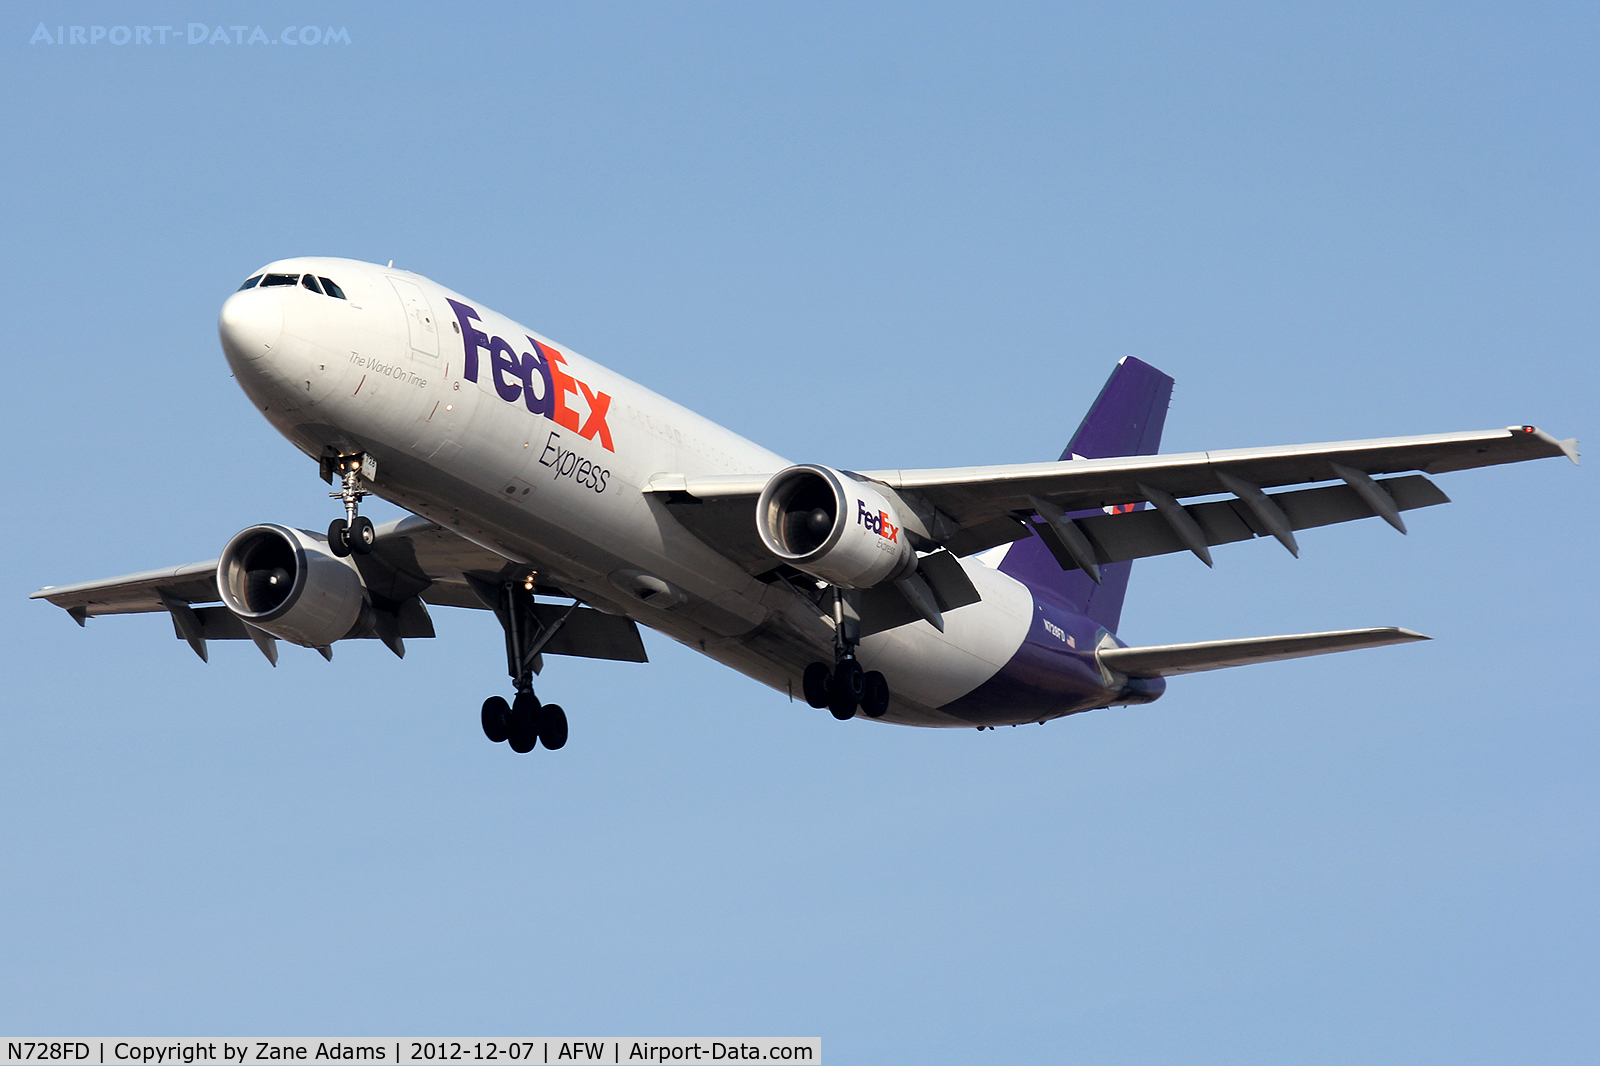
[396, 1051]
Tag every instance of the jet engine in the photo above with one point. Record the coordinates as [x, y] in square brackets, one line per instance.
[833, 527]
[286, 582]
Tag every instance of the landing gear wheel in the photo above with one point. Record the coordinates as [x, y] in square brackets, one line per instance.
[875, 697]
[339, 537]
[817, 684]
[352, 533]
[496, 718]
[362, 535]
[524, 732]
[552, 726]
[849, 685]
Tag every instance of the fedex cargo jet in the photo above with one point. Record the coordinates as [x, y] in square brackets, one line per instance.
[576, 505]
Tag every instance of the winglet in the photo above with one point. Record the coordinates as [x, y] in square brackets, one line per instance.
[1568, 447]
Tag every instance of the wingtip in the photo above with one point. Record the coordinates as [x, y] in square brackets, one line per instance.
[1569, 447]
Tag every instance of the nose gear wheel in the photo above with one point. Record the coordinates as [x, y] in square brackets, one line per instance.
[352, 534]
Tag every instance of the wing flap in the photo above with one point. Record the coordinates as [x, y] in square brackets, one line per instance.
[1165, 660]
[1140, 534]
[219, 623]
[884, 607]
[211, 623]
[591, 634]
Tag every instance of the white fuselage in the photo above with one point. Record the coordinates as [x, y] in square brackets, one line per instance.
[548, 470]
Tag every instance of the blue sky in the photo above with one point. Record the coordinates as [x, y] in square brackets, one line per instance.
[874, 236]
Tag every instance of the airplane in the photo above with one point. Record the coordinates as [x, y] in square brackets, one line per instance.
[577, 505]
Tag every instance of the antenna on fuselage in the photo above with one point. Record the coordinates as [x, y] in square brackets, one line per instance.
[391, 263]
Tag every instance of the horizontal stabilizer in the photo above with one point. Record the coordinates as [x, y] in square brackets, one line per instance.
[1163, 660]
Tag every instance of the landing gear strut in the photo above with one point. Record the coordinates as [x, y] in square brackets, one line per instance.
[524, 722]
[845, 686]
[352, 533]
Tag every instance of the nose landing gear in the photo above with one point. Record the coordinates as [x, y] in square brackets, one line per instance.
[845, 686]
[524, 723]
[353, 533]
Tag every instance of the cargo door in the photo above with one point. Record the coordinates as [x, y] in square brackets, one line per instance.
[419, 319]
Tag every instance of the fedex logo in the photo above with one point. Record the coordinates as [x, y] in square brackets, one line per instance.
[876, 522]
[513, 376]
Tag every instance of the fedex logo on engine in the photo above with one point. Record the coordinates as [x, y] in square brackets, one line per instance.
[514, 376]
[876, 522]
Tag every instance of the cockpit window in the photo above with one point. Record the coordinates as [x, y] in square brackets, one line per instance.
[309, 281]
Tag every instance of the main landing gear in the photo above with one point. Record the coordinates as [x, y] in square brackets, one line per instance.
[524, 722]
[353, 533]
[845, 686]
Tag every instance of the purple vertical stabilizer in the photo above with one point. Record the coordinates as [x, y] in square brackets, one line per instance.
[1126, 419]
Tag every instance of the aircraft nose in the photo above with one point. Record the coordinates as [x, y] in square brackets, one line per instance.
[251, 323]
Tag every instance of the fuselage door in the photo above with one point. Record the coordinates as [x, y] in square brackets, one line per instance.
[419, 319]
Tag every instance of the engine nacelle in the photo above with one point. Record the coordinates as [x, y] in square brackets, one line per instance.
[286, 582]
[833, 527]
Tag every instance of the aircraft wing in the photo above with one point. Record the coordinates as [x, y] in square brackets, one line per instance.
[414, 563]
[972, 494]
[968, 509]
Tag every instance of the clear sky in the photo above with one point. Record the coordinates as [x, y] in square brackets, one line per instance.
[874, 236]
